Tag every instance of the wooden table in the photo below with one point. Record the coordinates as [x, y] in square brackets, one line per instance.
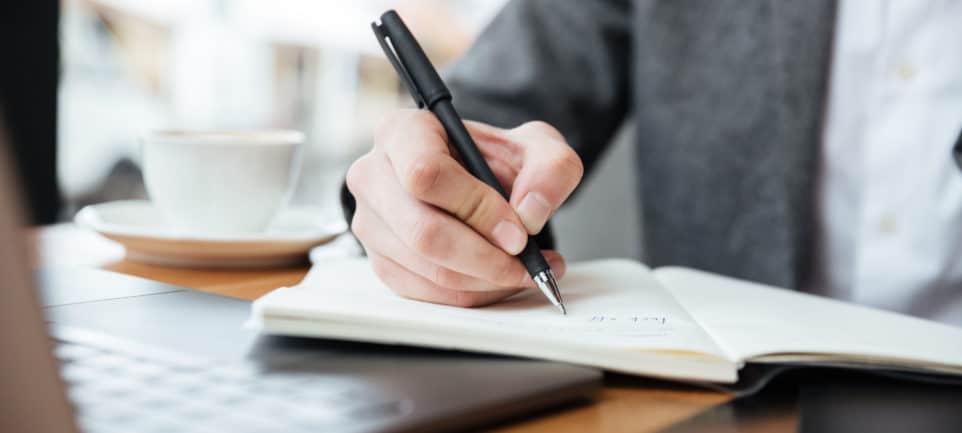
[625, 404]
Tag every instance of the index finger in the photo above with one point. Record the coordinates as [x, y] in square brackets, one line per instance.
[418, 152]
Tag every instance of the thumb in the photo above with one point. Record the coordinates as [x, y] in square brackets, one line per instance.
[549, 174]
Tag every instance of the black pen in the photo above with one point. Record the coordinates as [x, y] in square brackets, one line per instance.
[429, 91]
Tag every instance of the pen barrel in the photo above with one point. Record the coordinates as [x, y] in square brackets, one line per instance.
[532, 258]
[462, 142]
[474, 161]
[428, 87]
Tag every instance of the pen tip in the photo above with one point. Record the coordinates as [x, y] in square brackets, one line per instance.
[549, 286]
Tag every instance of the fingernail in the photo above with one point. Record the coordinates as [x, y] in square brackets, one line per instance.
[509, 237]
[534, 212]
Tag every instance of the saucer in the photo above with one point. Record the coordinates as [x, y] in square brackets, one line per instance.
[141, 229]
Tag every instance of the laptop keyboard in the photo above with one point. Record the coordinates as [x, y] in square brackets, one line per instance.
[117, 392]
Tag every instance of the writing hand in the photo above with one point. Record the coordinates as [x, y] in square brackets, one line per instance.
[433, 232]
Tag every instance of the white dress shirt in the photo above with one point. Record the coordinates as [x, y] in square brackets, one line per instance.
[889, 197]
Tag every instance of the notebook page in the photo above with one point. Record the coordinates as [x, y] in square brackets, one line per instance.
[612, 304]
[752, 320]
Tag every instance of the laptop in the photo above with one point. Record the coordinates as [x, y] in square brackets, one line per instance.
[96, 351]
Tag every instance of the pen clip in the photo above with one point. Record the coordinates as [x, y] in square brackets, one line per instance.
[401, 70]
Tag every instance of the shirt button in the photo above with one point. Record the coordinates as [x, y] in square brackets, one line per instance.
[887, 224]
[906, 71]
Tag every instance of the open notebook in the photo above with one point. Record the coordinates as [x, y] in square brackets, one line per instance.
[674, 323]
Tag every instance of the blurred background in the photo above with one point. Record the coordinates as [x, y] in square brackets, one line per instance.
[130, 66]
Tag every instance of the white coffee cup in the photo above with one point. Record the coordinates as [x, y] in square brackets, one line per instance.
[220, 183]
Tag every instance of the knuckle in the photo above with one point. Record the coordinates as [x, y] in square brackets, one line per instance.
[422, 176]
[569, 163]
[566, 159]
[479, 207]
[426, 237]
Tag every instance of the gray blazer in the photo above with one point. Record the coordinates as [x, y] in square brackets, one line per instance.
[728, 97]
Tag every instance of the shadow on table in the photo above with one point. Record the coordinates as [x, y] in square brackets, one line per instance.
[836, 400]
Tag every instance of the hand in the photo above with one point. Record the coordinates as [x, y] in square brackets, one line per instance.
[434, 232]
